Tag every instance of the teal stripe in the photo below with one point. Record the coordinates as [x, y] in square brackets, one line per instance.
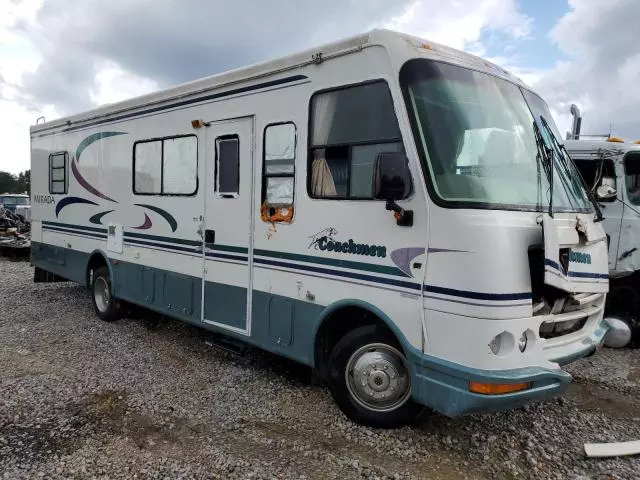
[367, 267]
[180, 241]
[230, 248]
[77, 227]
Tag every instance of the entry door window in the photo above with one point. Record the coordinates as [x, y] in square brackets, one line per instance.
[228, 166]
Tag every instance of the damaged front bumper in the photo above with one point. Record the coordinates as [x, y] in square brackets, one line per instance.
[444, 386]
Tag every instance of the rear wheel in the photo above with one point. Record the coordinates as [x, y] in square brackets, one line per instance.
[105, 305]
[370, 380]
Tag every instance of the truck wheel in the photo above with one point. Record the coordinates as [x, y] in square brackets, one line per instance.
[370, 380]
[623, 303]
[105, 305]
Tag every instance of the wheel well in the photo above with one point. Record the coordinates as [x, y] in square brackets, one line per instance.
[336, 326]
[96, 261]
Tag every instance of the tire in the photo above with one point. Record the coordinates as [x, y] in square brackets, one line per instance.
[105, 305]
[623, 302]
[385, 399]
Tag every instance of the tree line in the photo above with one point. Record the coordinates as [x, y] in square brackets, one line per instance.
[10, 183]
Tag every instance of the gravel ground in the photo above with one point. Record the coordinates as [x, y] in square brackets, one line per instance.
[153, 398]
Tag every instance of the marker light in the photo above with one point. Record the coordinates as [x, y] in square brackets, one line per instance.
[615, 140]
[637, 142]
[497, 388]
[522, 343]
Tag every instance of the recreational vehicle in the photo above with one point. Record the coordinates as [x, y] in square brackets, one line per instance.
[389, 211]
[610, 168]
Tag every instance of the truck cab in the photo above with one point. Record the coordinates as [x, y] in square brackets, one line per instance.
[610, 169]
[14, 202]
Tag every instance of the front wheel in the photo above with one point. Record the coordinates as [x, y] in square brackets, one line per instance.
[105, 305]
[370, 380]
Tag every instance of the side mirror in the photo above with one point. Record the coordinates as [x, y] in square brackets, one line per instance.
[391, 179]
[606, 192]
[391, 182]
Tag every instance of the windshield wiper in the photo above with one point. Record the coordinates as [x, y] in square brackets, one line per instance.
[562, 152]
[544, 156]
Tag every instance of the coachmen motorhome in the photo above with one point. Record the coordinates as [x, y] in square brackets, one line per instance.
[610, 168]
[389, 211]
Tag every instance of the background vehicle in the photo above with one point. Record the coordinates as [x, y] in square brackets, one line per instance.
[16, 203]
[611, 169]
[392, 212]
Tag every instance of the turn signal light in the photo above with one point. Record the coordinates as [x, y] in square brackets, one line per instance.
[497, 388]
[615, 140]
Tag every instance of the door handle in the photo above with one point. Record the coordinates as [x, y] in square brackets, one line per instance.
[209, 236]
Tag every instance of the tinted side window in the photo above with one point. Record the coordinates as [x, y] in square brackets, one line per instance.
[349, 128]
[228, 165]
[58, 172]
[632, 174]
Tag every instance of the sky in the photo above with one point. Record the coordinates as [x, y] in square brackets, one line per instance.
[60, 57]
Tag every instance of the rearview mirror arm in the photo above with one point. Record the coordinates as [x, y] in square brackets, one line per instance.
[404, 218]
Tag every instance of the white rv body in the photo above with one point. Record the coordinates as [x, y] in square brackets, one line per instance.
[455, 288]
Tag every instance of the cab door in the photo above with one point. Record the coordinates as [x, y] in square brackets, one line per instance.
[227, 224]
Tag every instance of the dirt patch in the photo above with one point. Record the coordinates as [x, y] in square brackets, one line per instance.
[592, 397]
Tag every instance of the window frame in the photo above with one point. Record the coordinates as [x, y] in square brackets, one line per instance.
[161, 193]
[63, 168]
[216, 170]
[266, 175]
[310, 147]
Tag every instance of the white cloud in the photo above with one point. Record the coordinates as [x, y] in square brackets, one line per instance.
[603, 71]
[459, 24]
[60, 56]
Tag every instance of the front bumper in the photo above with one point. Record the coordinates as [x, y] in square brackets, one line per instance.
[444, 386]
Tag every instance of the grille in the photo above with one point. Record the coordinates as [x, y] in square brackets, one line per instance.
[558, 329]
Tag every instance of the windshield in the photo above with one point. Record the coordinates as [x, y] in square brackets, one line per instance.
[14, 200]
[476, 135]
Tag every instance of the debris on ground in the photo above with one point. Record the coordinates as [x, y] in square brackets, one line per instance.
[15, 230]
[614, 449]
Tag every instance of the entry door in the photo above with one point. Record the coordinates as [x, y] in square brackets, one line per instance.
[228, 224]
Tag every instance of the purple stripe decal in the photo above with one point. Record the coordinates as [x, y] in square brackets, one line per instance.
[146, 225]
[86, 185]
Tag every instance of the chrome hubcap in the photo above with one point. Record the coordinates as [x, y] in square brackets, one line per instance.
[101, 294]
[378, 377]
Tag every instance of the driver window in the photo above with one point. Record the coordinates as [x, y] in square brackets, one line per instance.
[349, 128]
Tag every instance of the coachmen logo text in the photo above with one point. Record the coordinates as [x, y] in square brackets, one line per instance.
[325, 241]
[577, 257]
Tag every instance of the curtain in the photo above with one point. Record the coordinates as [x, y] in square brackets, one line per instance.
[322, 184]
[324, 110]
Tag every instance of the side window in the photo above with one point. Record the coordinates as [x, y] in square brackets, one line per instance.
[228, 166]
[596, 173]
[166, 166]
[58, 173]
[278, 169]
[632, 174]
[350, 127]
